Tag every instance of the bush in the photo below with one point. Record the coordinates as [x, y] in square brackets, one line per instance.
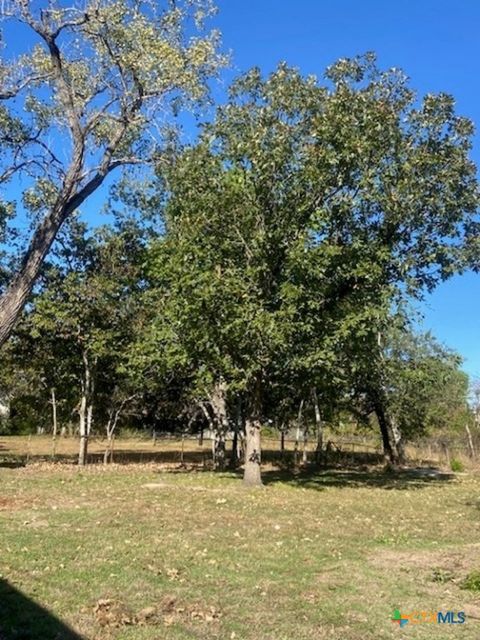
[456, 465]
[442, 576]
[472, 581]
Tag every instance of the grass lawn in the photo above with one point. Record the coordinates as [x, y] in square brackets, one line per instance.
[138, 552]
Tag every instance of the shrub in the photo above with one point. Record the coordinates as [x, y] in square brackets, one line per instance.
[472, 581]
[456, 465]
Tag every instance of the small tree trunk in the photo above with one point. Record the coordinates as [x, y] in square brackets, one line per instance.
[200, 437]
[182, 452]
[108, 455]
[85, 411]
[252, 475]
[55, 425]
[319, 427]
[218, 403]
[447, 455]
[393, 453]
[82, 455]
[89, 419]
[305, 445]
[237, 430]
[109, 448]
[114, 416]
[220, 450]
[234, 457]
[296, 454]
[470, 442]
[214, 449]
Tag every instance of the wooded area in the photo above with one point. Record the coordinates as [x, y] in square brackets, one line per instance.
[263, 277]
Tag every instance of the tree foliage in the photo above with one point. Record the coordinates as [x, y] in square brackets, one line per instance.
[301, 216]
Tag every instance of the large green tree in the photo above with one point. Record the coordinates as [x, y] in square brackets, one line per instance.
[303, 211]
[87, 97]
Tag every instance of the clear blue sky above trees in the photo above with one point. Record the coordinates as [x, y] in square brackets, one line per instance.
[434, 41]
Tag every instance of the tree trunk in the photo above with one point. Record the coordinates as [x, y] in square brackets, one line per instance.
[108, 454]
[305, 444]
[234, 457]
[89, 419]
[238, 429]
[15, 297]
[470, 441]
[218, 403]
[54, 425]
[390, 446]
[319, 427]
[85, 411]
[71, 197]
[82, 455]
[113, 418]
[252, 475]
[391, 436]
[296, 453]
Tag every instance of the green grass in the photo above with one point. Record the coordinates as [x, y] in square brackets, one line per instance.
[322, 556]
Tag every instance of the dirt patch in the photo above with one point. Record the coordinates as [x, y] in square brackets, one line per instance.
[8, 504]
[458, 560]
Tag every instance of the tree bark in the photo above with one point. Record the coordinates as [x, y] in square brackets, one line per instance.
[85, 411]
[305, 444]
[391, 449]
[218, 403]
[296, 453]
[252, 475]
[319, 427]
[113, 418]
[54, 425]
[470, 441]
[237, 430]
[82, 454]
[108, 454]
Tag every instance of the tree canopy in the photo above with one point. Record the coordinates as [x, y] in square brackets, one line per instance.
[301, 217]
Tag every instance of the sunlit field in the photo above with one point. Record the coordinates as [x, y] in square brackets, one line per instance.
[159, 551]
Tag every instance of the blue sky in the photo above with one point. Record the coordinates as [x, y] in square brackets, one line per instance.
[437, 43]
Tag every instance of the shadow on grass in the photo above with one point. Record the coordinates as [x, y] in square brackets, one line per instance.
[11, 462]
[391, 480]
[340, 469]
[199, 457]
[24, 619]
